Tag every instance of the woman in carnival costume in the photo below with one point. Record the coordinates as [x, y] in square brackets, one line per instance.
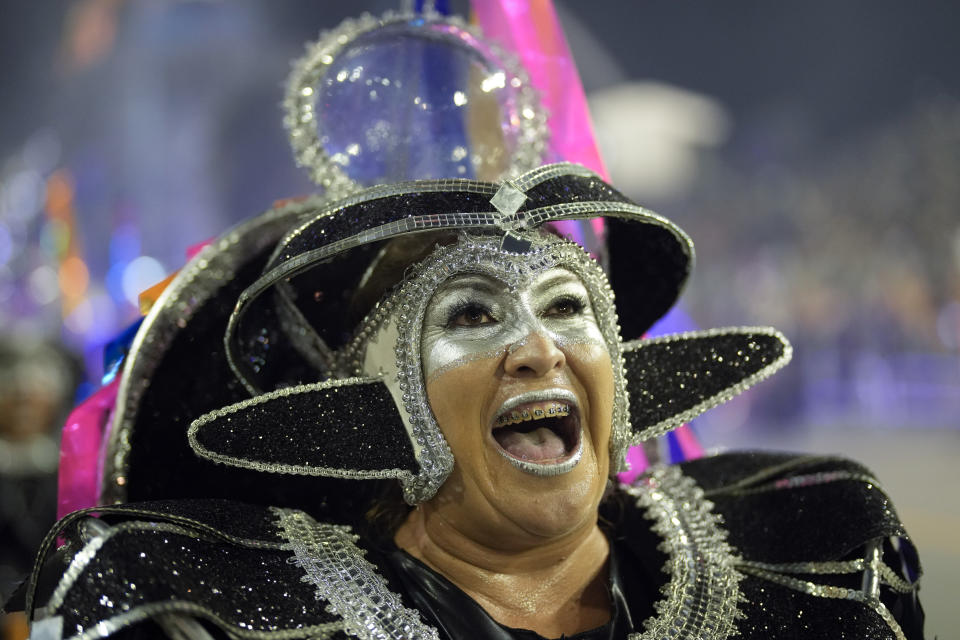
[397, 411]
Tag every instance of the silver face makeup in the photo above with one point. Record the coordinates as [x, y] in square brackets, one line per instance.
[519, 286]
[474, 315]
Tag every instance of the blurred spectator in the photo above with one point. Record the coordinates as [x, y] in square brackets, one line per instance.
[37, 383]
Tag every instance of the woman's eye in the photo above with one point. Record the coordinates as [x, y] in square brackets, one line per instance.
[472, 316]
[565, 308]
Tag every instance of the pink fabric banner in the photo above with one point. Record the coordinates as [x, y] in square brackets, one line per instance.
[532, 31]
[81, 448]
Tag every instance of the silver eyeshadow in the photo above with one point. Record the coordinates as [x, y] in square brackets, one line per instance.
[510, 316]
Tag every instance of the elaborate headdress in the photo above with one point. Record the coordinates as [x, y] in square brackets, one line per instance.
[280, 286]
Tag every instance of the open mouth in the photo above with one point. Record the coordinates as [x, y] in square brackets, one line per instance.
[539, 432]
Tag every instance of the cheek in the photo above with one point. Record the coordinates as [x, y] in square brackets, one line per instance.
[457, 398]
[593, 368]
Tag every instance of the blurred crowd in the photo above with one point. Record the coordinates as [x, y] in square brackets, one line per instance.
[855, 254]
[37, 383]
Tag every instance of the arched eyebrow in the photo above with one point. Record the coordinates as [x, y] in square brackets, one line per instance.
[471, 281]
[561, 277]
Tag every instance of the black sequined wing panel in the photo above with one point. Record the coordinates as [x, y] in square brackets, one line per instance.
[163, 565]
[674, 378]
[819, 543]
[342, 428]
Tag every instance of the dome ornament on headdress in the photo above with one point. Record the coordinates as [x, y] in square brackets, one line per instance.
[410, 96]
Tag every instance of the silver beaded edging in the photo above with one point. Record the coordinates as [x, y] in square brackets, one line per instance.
[110, 626]
[332, 472]
[348, 582]
[700, 600]
[308, 71]
[652, 431]
[524, 183]
[827, 591]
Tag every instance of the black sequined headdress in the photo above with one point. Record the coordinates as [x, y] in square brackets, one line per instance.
[287, 336]
[279, 289]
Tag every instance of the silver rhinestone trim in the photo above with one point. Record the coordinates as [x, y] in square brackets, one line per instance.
[308, 71]
[652, 431]
[847, 566]
[550, 171]
[700, 600]
[348, 582]
[770, 472]
[447, 185]
[895, 582]
[333, 472]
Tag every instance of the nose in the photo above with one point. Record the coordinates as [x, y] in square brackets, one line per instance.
[534, 356]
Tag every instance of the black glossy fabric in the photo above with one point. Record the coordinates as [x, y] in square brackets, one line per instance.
[192, 377]
[813, 508]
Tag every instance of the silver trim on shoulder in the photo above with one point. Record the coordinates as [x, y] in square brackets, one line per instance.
[348, 582]
[700, 600]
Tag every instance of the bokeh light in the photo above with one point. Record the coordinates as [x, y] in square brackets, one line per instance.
[140, 274]
[42, 285]
[74, 277]
[6, 244]
[80, 319]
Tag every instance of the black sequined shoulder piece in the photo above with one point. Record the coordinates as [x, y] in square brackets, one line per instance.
[820, 546]
[157, 559]
[792, 508]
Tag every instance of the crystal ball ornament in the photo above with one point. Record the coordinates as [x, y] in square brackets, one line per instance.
[382, 100]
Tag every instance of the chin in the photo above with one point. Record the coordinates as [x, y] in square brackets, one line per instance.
[551, 506]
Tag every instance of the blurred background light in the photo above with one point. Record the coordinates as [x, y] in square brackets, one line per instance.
[73, 277]
[6, 245]
[140, 274]
[80, 320]
[650, 134]
[44, 285]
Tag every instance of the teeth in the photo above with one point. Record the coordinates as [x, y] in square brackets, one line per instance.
[537, 413]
